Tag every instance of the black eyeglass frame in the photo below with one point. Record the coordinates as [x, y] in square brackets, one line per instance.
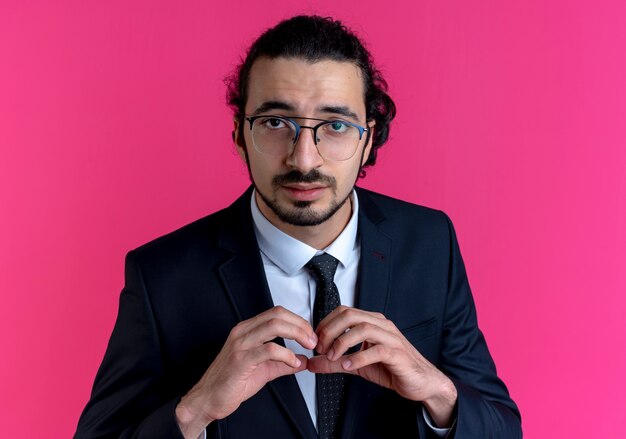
[314, 128]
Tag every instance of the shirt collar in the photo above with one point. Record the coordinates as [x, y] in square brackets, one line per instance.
[289, 254]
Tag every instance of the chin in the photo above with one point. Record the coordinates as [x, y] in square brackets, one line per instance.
[302, 213]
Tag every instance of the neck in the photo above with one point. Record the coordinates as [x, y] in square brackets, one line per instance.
[319, 236]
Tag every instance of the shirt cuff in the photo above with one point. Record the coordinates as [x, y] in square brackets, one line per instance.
[440, 432]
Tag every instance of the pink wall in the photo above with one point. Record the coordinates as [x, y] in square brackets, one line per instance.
[113, 130]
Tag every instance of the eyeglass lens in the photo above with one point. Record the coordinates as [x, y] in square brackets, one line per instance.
[336, 140]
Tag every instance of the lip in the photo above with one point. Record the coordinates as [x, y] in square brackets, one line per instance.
[304, 192]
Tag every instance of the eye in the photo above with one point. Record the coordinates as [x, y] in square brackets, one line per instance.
[273, 123]
[337, 127]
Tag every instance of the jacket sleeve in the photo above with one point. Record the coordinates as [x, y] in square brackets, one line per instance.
[484, 408]
[129, 399]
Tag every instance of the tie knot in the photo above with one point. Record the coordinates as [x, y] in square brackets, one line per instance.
[323, 268]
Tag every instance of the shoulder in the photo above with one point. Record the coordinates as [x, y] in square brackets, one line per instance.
[203, 229]
[409, 226]
[193, 243]
[392, 212]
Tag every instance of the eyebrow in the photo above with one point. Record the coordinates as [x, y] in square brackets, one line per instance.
[341, 110]
[272, 105]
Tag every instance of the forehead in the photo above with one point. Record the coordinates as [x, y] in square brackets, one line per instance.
[307, 87]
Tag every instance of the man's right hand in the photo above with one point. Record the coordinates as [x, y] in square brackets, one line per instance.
[248, 360]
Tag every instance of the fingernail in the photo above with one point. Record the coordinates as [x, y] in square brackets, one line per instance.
[330, 354]
[346, 364]
[313, 340]
[298, 362]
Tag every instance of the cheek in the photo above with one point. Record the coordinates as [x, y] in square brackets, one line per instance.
[262, 170]
[347, 176]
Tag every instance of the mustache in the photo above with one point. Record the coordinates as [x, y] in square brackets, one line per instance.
[313, 176]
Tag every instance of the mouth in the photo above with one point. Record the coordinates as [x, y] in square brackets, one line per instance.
[304, 191]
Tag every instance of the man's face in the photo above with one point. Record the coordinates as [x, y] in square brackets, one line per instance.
[302, 188]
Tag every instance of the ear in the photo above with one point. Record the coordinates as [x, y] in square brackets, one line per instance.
[238, 139]
[370, 137]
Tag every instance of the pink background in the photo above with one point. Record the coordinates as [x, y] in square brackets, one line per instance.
[511, 118]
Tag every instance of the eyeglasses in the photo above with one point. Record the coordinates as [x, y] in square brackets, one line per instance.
[336, 140]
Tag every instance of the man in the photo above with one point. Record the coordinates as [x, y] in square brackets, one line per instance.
[308, 308]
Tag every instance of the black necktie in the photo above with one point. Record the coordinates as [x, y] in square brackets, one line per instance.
[329, 387]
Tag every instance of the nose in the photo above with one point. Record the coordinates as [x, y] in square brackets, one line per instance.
[304, 155]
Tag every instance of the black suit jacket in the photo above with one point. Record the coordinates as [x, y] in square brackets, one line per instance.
[185, 291]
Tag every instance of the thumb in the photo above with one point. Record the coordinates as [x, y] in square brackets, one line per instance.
[321, 364]
[279, 368]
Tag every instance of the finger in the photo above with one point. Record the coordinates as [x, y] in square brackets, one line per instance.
[342, 319]
[376, 354]
[278, 368]
[277, 327]
[274, 312]
[273, 352]
[307, 337]
[363, 332]
[321, 364]
[276, 322]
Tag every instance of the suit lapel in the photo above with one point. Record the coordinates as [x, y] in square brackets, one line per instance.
[242, 273]
[244, 279]
[375, 264]
[372, 290]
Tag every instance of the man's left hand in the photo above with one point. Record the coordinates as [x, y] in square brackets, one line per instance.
[386, 358]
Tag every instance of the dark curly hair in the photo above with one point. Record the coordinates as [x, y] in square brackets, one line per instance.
[317, 38]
